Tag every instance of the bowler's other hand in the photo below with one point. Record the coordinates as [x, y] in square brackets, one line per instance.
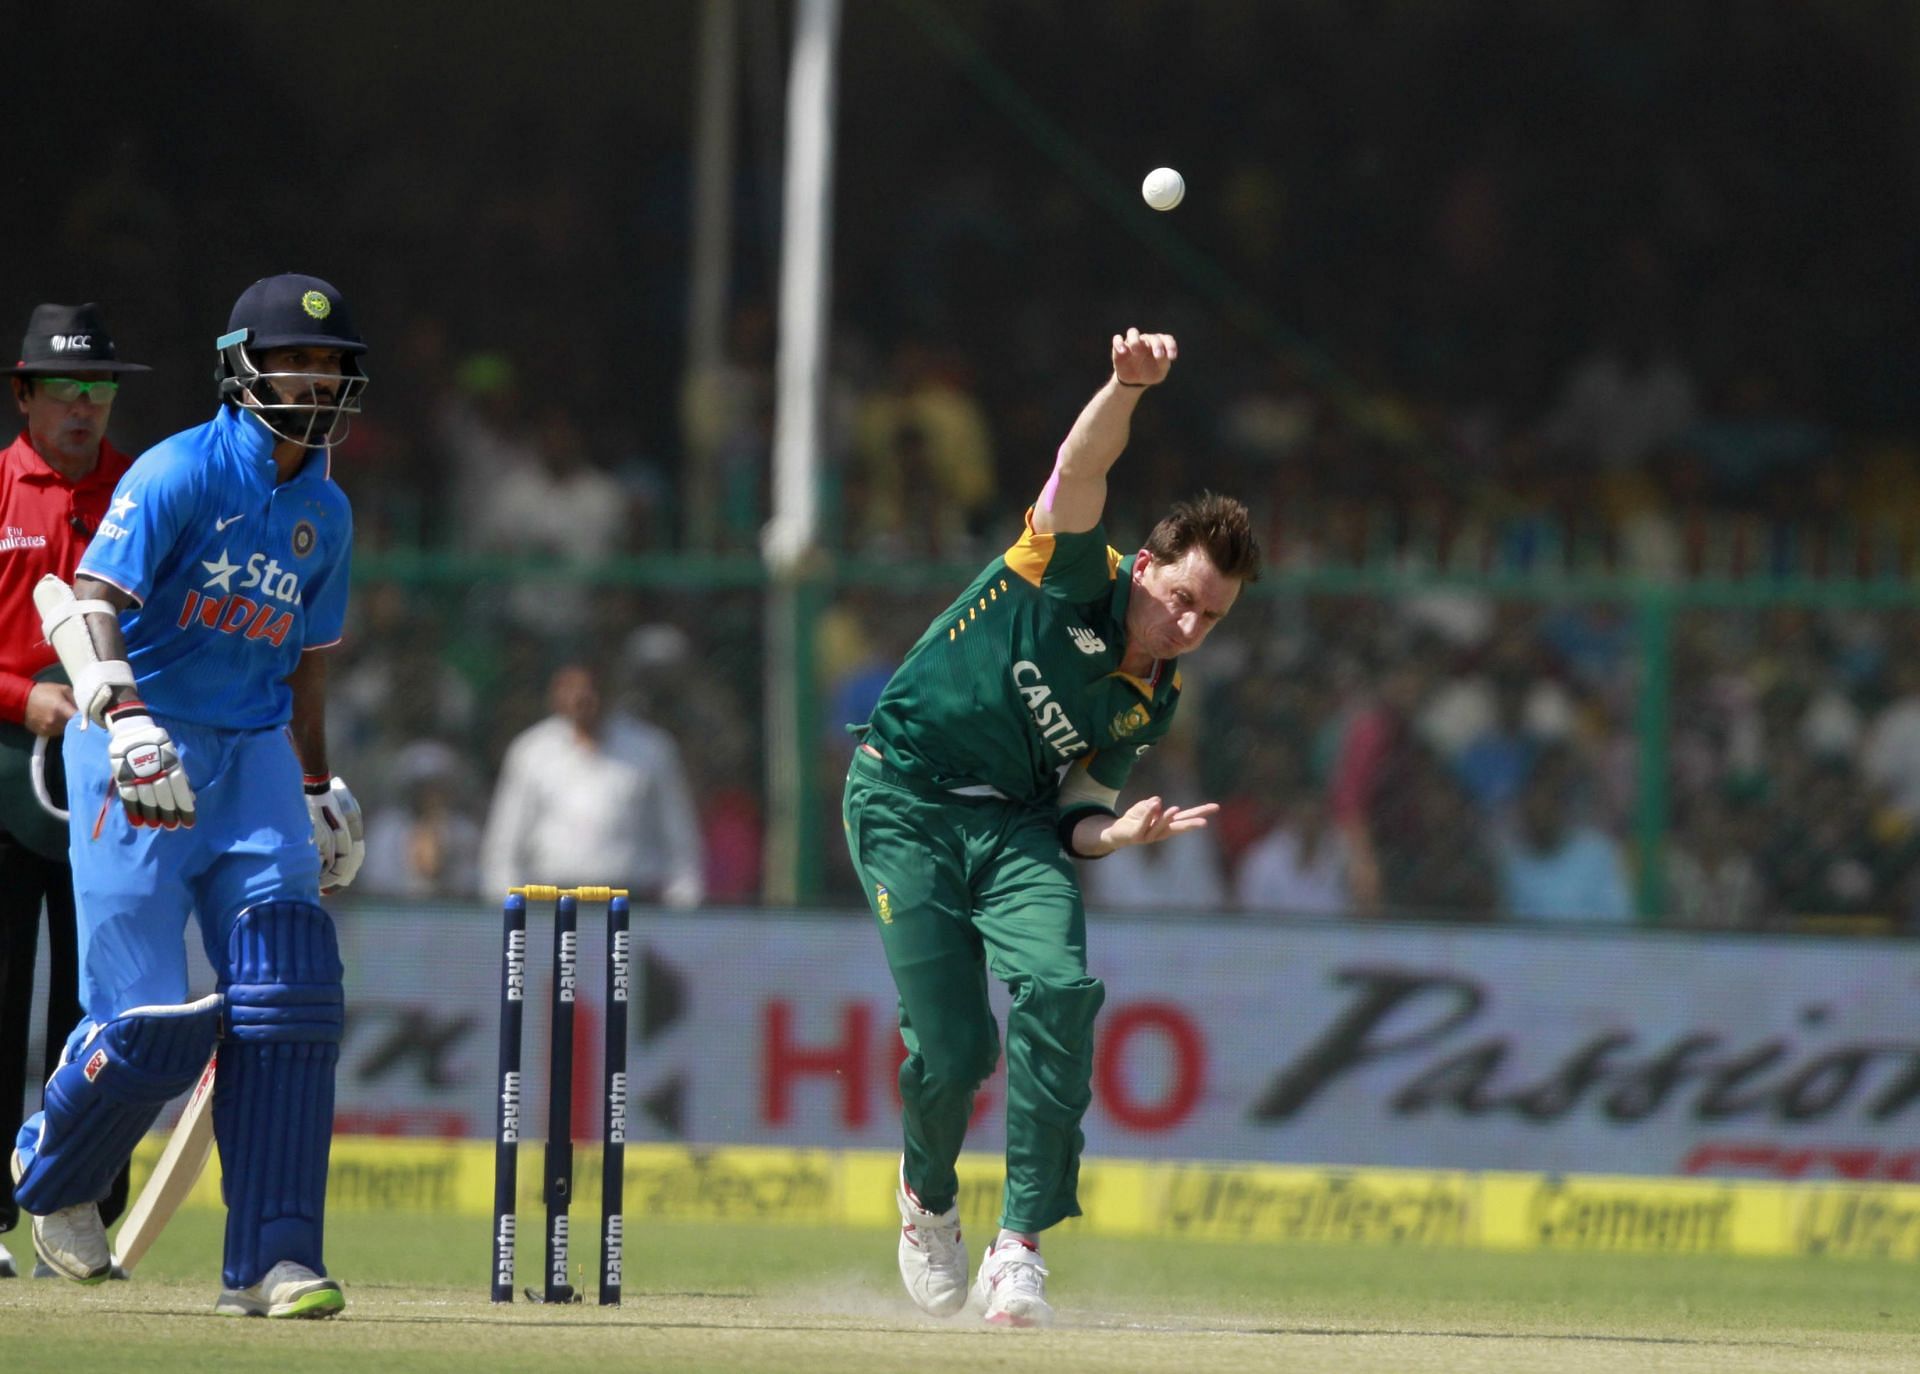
[339, 832]
[1143, 359]
[1149, 821]
[146, 769]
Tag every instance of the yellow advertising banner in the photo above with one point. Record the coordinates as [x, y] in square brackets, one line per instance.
[1243, 1203]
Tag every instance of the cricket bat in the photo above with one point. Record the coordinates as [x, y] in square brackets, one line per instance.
[173, 1177]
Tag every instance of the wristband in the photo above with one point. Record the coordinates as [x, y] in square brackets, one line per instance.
[1069, 819]
[316, 784]
[1134, 386]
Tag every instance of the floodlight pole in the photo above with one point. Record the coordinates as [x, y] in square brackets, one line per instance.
[790, 541]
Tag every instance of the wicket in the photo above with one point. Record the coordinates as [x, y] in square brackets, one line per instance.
[557, 1183]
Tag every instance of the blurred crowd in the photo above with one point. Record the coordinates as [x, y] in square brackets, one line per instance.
[1486, 288]
[1593, 287]
[1428, 754]
[1654, 343]
[1460, 757]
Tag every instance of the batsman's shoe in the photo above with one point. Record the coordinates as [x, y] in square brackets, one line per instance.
[288, 1290]
[41, 1270]
[933, 1256]
[71, 1241]
[7, 1271]
[1013, 1286]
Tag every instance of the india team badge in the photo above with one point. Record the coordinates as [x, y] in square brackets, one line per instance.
[304, 538]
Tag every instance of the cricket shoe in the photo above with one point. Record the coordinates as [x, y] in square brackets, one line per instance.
[933, 1256]
[1013, 1286]
[7, 1271]
[289, 1289]
[43, 1270]
[71, 1241]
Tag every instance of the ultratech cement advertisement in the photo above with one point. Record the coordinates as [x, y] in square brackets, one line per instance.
[1419, 1047]
[1235, 1203]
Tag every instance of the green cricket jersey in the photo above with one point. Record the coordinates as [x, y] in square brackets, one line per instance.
[1021, 676]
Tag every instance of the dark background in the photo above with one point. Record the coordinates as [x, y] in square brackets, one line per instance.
[1411, 229]
[1445, 202]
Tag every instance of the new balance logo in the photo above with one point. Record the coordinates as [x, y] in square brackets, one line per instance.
[1086, 641]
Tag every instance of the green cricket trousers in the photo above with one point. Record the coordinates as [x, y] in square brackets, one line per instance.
[958, 886]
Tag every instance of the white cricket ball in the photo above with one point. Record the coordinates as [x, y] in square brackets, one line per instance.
[1164, 188]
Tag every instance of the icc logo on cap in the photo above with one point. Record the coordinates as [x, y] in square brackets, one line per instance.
[316, 305]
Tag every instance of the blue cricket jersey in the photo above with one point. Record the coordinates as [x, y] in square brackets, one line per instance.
[235, 576]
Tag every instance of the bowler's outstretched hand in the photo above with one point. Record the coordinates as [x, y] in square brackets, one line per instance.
[1150, 820]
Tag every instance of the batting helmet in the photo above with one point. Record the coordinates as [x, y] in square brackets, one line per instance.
[292, 311]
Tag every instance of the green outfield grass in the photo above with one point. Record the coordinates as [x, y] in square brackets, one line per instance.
[743, 1298]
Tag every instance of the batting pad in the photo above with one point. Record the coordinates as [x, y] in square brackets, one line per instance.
[107, 1095]
[273, 1100]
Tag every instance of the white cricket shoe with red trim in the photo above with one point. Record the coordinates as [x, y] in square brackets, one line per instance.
[933, 1256]
[1013, 1286]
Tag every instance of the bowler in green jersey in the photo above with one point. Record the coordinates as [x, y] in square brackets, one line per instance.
[995, 756]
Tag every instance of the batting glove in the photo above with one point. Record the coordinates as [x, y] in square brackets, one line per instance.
[339, 833]
[146, 769]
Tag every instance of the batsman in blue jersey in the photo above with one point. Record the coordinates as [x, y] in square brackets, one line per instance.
[197, 782]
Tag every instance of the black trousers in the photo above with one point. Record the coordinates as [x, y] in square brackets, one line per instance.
[26, 881]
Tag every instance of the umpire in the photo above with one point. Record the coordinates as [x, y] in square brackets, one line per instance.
[56, 481]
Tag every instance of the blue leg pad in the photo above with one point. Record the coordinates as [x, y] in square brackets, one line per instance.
[273, 1101]
[105, 1096]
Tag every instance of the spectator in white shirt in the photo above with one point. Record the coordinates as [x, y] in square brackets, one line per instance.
[562, 505]
[586, 797]
[1299, 868]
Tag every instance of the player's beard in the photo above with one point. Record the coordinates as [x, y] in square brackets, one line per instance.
[325, 417]
[321, 419]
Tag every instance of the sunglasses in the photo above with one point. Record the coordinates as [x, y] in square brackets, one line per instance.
[65, 390]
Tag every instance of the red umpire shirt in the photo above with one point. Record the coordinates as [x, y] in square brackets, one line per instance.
[45, 525]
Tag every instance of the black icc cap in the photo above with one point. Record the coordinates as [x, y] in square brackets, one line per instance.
[288, 311]
[68, 338]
